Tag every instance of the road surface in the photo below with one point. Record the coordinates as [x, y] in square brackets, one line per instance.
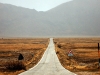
[49, 64]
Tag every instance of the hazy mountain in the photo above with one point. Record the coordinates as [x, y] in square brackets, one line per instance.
[74, 18]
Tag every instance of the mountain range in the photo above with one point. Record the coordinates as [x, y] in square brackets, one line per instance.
[74, 18]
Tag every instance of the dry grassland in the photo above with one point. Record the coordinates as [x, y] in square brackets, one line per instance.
[31, 49]
[85, 54]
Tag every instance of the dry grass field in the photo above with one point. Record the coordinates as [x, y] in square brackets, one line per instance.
[31, 49]
[85, 54]
[83, 62]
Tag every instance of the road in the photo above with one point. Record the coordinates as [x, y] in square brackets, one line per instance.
[49, 64]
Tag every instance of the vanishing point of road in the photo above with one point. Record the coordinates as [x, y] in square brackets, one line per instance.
[49, 64]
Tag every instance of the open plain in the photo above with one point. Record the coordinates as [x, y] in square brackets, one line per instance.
[83, 62]
[10, 49]
[85, 54]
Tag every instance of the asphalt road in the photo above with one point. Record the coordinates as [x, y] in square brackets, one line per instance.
[49, 64]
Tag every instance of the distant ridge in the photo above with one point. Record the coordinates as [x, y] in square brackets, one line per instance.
[74, 18]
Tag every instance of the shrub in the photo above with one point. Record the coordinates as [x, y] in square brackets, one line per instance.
[20, 57]
[59, 46]
[15, 65]
[57, 52]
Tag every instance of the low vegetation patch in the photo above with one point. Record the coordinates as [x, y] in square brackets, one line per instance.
[15, 65]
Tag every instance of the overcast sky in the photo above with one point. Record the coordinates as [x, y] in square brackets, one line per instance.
[39, 5]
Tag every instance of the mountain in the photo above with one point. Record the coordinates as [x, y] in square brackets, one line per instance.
[78, 17]
[74, 18]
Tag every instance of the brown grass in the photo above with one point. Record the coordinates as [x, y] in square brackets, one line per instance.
[31, 49]
[85, 51]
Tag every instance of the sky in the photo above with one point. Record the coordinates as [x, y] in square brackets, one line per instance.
[39, 5]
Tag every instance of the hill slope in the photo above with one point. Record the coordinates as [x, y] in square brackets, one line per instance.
[78, 17]
[74, 18]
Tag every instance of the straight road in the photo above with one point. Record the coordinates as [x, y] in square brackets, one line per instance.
[49, 64]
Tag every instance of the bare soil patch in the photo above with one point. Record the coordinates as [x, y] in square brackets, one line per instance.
[85, 54]
[31, 49]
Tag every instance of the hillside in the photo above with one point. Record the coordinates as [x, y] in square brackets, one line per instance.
[78, 17]
[74, 18]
